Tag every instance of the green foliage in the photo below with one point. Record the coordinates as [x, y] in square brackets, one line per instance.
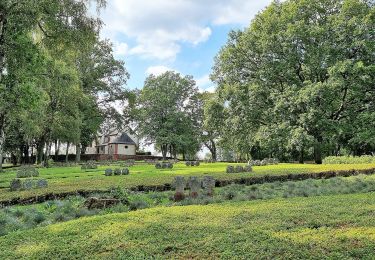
[349, 159]
[297, 82]
[164, 112]
[316, 227]
[53, 68]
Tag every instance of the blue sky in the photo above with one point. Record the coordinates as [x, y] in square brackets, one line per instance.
[153, 36]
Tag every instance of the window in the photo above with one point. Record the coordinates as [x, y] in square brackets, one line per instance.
[126, 147]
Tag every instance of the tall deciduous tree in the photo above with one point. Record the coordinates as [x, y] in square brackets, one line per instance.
[27, 30]
[164, 113]
[303, 69]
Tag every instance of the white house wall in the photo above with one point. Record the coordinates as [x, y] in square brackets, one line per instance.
[130, 150]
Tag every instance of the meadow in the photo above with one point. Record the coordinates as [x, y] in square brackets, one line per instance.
[331, 227]
[73, 179]
[22, 217]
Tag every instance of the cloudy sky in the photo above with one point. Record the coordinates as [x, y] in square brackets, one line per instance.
[153, 36]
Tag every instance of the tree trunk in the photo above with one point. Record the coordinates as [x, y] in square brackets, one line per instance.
[213, 151]
[39, 151]
[57, 148]
[13, 159]
[67, 153]
[22, 154]
[175, 153]
[47, 154]
[26, 152]
[32, 161]
[2, 141]
[318, 152]
[164, 150]
[301, 156]
[78, 153]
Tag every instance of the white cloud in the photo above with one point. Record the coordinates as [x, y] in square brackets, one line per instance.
[203, 81]
[205, 84]
[120, 48]
[157, 70]
[159, 27]
[211, 89]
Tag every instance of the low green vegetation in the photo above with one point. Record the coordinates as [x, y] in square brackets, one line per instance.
[340, 227]
[72, 179]
[349, 159]
[26, 217]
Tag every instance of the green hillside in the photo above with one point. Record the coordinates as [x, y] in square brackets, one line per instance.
[340, 227]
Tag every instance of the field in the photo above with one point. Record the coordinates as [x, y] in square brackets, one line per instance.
[71, 179]
[339, 227]
[288, 219]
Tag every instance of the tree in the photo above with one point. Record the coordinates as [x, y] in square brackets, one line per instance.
[164, 113]
[32, 35]
[103, 80]
[213, 120]
[305, 65]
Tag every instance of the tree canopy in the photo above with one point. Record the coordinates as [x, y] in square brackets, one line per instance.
[300, 80]
[164, 112]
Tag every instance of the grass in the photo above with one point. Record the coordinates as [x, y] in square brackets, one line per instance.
[330, 227]
[71, 179]
[349, 159]
[25, 217]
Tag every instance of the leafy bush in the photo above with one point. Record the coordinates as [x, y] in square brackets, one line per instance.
[349, 159]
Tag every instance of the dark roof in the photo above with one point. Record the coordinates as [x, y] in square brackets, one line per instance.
[123, 139]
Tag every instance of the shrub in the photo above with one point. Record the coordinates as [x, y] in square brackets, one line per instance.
[120, 194]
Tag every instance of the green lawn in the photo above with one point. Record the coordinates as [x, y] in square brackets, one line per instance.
[70, 179]
[334, 227]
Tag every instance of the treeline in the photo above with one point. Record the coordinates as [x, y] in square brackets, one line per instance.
[297, 84]
[57, 77]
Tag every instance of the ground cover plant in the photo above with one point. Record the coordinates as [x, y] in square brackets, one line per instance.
[349, 159]
[72, 179]
[26, 217]
[339, 227]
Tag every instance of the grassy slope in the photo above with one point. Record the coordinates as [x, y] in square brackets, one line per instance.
[338, 227]
[70, 179]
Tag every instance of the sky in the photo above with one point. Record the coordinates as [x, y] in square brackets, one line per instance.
[153, 36]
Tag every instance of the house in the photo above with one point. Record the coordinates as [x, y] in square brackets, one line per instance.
[115, 144]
